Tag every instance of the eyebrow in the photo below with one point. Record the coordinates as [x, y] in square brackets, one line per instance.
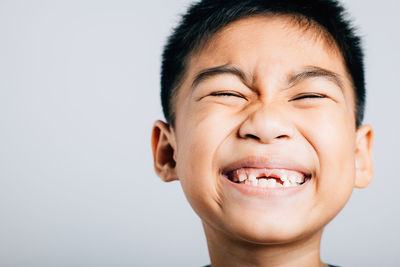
[218, 70]
[315, 72]
[306, 73]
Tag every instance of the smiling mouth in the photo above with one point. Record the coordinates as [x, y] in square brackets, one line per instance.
[267, 178]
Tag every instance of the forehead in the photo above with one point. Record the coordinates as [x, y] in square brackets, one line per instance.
[269, 45]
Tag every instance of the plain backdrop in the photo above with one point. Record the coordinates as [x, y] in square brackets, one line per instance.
[79, 92]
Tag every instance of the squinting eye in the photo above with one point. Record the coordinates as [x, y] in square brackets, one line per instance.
[309, 96]
[226, 94]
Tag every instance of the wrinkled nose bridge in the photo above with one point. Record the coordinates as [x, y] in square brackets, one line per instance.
[266, 123]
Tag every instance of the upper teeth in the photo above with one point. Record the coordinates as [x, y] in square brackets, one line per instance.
[242, 177]
[267, 177]
[252, 177]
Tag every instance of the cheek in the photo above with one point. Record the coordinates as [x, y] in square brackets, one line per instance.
[202, 130]
[199, 136]
[336, 155]
[332, 136]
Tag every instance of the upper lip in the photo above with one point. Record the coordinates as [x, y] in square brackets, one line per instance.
[273, 162]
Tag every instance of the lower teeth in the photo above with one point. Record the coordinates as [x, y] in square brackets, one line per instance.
[268, 183]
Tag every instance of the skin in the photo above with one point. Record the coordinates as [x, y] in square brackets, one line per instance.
[265, 116]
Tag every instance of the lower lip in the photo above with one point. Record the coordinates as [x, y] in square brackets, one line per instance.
[265, 192]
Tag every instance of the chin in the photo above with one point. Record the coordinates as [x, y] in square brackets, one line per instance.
[267, 231]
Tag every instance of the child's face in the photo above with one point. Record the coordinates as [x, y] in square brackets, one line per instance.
[292, 113]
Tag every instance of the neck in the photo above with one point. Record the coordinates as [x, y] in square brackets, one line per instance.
[225, 251]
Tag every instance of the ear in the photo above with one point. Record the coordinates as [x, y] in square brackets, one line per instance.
[363, 156]
[164, 147]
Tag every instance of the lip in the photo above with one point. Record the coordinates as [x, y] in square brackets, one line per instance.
[266, 193]
[273, 162]
[268, 163]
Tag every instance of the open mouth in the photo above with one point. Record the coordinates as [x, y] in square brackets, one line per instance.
[267, 178]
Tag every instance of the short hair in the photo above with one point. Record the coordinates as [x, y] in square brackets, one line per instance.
[206, 17]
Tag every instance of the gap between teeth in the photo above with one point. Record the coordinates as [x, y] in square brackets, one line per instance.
[288, 178]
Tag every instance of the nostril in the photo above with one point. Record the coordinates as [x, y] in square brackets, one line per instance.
[282, 136]
[252, 136]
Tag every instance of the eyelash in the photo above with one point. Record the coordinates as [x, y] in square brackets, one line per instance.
[304, 96]
[309, 96]
[226, 94]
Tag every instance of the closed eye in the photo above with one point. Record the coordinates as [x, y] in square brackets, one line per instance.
[304, 96]
[226, 94]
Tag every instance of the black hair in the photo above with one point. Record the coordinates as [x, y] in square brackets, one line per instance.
[205, 18]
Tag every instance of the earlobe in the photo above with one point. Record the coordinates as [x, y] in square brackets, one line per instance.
[163, 146]
[363, 156]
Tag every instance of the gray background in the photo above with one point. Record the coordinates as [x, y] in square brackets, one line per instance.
[79, 91]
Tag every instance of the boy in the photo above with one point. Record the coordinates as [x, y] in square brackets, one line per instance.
[264, 102]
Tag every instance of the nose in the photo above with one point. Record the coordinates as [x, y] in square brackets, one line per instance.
[267, 124]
